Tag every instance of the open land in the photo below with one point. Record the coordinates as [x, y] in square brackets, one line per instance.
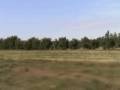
[60, 70]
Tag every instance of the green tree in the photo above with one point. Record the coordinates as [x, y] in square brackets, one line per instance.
[32, 44]
[45, 44]
[86, 43]
[54, 44]
[95, 44]
[118, 42]
[12, 42]
[74, 44]
[109, 40]
[63, 43]
[1, 43]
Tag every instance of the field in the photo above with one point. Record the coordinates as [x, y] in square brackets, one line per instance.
[60, 70]
[59, 55]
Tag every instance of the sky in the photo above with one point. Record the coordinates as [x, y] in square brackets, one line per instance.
[59, 18]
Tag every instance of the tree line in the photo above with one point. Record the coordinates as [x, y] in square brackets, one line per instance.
[108, 41]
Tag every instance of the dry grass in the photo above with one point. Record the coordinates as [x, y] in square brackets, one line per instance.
[78, 55]
[42, 70]
[52, 75]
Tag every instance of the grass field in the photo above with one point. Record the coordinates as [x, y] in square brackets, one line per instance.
[42, 70]
[74, 55]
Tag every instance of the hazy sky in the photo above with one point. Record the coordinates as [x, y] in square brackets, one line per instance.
[56, 18]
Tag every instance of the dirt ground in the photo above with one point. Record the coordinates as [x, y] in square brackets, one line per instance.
[54, 75]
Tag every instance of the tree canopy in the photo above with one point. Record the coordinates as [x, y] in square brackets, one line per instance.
[107, 41]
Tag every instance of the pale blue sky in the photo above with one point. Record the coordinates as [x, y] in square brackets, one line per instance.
[57, 18]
